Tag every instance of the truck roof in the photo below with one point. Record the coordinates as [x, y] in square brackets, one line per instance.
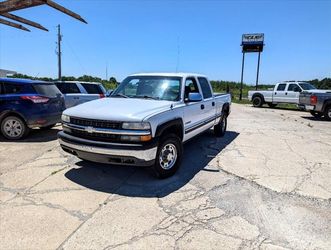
[180, 74]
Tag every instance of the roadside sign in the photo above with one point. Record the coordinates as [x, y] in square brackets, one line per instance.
[252, 42]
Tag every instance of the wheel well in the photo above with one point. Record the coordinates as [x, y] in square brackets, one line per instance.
[226, 109]
[171, 127]
[11, 113]
[258, 95]
[326, 105]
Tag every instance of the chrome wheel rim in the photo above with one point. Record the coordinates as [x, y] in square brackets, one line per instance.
[168, 156]
[329, 113]
[256, 101]
[13, 128]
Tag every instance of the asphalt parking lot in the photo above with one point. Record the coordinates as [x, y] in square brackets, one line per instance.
[265, 185]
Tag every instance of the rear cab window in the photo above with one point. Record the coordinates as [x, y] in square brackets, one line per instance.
[92, 88]
[281, 87]
[46, 89]
[205, 87]
[294, 87]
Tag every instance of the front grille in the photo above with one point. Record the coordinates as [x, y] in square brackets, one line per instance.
[96, 123]
[95, 136]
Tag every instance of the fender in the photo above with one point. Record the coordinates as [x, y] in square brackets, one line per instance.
[13, 112]
[176, 124]
[326, 104]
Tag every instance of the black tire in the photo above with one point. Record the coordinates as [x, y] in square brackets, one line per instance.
[48, 127]
[327, 113]
[272, 105]
[175, 146]
[220, 128]
[316, 114]
[14, 128]
[257, 101]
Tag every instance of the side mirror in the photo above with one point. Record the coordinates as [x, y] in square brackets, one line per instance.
[109, 92]
[194, 97]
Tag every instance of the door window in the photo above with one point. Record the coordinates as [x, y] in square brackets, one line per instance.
[294, 88]
[206, 91]
[281, 87]
[92, 88]
[191, 86]
[10, 88]
[67, 87]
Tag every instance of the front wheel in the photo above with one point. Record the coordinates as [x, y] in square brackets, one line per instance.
[14, 128]
[168, 156]
[316, 114]
[327, 113]
[220, 128]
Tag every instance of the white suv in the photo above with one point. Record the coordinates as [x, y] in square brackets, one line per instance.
[76, 92]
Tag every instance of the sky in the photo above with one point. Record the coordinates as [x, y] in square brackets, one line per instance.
[130, 36]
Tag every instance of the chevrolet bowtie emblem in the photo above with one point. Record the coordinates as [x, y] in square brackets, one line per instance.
[89, 129]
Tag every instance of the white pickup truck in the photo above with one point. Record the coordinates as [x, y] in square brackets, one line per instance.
[284, 92]
[145, 121]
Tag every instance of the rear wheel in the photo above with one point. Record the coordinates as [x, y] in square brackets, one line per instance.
[14, 128]
[220, 128]
[257, 101]
[316, 114]
[168, 156]
[327, 113]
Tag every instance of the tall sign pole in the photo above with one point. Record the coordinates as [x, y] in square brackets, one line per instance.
[242, 76]
[257, 71]
[251, 43]
[59, 39]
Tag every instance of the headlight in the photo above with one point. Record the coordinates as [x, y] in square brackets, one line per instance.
[136, 125]
[65, 118]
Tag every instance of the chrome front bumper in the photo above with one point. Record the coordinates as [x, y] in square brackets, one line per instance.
[105, 152]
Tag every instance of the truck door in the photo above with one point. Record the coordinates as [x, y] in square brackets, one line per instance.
[279, 93]
[194, 111]
[209, 102]
[292, 93]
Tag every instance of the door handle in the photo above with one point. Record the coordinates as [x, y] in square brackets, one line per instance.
[285, 93]
[275, 93]
[202, 106]
[213, 104]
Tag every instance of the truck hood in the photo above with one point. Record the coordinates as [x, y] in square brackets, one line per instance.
[118, 109]
[318, 91]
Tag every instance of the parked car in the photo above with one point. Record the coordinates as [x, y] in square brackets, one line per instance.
[26, 104]
[319, 104]
[285, 92]
[79, 92]
[145, 121]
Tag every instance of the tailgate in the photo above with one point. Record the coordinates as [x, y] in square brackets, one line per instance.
[304, 98]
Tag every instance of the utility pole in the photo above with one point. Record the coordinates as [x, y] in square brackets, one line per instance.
[59, 39]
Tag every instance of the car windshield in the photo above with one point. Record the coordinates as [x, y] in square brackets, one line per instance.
[306, 86]
[149, 87]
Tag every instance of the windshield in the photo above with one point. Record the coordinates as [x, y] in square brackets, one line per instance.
[150, 87]
[306, 86]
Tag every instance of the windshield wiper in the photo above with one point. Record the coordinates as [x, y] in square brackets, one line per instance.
[148, 97]
[120, 95]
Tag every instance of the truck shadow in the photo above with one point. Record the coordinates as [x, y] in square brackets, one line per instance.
[312, 118]
[141, 182]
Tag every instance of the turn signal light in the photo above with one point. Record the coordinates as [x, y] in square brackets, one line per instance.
[145, 137]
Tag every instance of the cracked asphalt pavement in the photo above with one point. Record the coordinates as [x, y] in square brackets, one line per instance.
[265, 185]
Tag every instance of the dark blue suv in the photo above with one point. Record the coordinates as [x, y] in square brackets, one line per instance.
[26, 104]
